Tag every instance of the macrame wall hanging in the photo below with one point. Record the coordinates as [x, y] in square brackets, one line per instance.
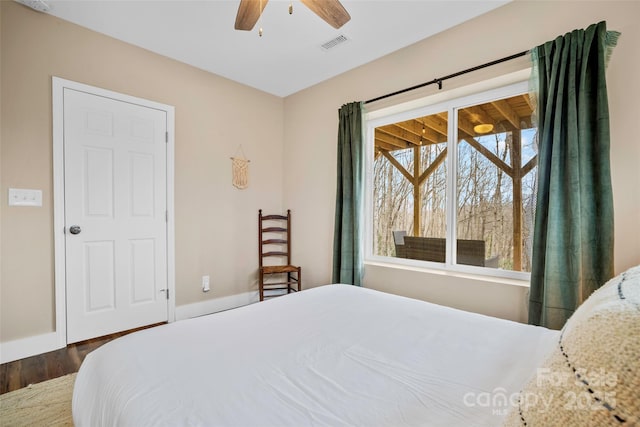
[240, 170]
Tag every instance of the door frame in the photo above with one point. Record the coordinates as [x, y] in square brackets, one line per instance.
[58, 86]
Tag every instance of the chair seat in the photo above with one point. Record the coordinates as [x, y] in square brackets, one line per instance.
[274, 269]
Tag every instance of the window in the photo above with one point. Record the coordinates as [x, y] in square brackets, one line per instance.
[454, 184]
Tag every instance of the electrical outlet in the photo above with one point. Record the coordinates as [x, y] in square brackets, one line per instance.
[205, 284]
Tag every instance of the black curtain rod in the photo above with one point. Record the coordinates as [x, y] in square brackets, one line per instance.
[450, 76]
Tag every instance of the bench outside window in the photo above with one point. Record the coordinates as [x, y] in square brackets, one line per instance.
[468, 252]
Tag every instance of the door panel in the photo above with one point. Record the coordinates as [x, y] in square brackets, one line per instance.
[116, 192]
[98, 182]
[99, 277]
[143, 268]
[142, 167]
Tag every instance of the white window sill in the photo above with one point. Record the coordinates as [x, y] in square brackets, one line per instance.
[490, 276]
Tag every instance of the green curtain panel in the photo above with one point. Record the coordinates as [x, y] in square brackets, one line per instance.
[573, 234]
[347, 240]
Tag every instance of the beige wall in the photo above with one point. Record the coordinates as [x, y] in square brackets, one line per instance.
[311, 128]
[215, 223]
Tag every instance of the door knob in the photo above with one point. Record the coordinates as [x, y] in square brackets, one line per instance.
[75, 229]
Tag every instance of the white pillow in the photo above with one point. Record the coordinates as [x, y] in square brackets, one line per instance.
[592, 378]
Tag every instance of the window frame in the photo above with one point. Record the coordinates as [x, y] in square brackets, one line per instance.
[451, 102]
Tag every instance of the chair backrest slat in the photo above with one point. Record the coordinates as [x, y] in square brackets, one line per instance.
[273, 253]
[284, 229]
[274, 217]
[274, 230]
[274, 242]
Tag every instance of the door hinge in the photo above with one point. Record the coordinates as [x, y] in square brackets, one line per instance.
[166, 137]
[166, 216]
[167, 293]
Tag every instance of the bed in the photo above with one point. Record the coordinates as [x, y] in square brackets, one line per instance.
[335, 355]
[339, 355]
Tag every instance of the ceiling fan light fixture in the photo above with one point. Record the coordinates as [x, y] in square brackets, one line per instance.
[483, 128]
[249, 11]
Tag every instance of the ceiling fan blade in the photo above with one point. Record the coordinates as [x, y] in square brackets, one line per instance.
[331, 11]
[248, 13]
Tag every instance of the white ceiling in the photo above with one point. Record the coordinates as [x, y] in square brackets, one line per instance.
[288, 57]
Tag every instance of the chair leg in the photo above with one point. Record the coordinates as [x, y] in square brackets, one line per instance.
[261, 284]
[299, 278]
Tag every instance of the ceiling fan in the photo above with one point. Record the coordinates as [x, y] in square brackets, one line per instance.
[331, 11]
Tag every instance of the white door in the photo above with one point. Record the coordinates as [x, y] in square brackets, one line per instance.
[115, 192]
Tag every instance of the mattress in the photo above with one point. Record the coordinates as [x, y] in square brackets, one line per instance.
[336, 355]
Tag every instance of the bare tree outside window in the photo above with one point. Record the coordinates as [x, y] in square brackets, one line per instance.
[495, 186]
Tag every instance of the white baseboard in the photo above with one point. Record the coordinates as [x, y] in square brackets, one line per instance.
[38, 344]
[30, 346]
[196, 309]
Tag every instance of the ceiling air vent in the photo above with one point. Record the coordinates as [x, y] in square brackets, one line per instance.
[334, 42]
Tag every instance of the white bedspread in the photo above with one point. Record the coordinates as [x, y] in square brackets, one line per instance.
[336, 355]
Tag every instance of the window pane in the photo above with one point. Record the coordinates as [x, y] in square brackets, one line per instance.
[409, 211]
[495, 184]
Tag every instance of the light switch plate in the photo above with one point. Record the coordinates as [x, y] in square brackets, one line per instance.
[25, 197]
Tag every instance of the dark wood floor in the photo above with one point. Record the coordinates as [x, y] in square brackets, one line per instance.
[54, 364]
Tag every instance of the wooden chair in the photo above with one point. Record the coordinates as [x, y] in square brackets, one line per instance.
[274, 234]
